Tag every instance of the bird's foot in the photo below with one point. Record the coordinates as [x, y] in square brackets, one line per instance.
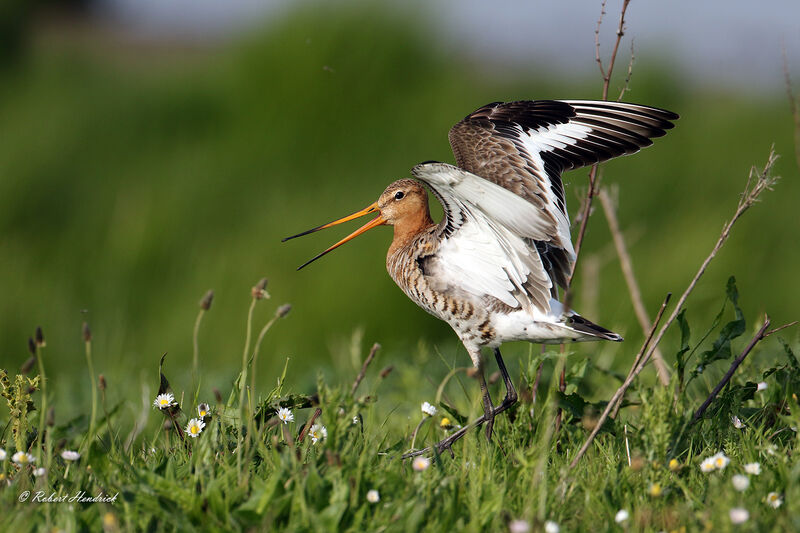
[447, 443]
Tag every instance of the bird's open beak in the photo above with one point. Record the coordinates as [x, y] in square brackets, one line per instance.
[375, 222]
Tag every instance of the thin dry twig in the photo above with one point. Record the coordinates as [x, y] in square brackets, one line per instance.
[630, 280]
[362, 373]
[729, 374]
[594, 180]
[793, 104]
[628, 75]
[757, 183]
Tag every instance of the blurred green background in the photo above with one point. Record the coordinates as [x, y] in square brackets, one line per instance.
[134, 177]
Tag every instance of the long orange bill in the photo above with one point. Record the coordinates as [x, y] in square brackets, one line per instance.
[375, 222]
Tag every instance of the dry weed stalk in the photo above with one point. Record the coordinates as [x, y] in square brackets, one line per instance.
[757, 183]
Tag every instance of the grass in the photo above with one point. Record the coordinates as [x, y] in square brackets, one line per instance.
[247, 469]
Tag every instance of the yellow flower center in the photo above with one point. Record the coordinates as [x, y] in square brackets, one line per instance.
[202, 413]
[195, 430]
[163, 401]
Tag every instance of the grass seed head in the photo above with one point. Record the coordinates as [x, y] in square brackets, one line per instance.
[27, 366]
[31, 346]
[101, 382]
[39, 337]
[86, 332]
[283, 310]
[205, 303]
[259, 292]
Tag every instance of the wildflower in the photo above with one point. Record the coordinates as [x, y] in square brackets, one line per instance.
[655, 490]
[551, 527]
[738, 424]
[23, 458]
[355, 420]
[69, 455]
[38, 472]
[720, 461]
[445, 423]
[707, 465]
[164, 400]
[318, 432]
[373, 496]
[761, 386]
[428, 409]
[203, 410]
[195, 427]
[110, 522]
[774, 500]
[420, 463]
[740, 482]
[285, 415]
[3, 454]
[519, 526]
[739, 515]
[621, 516]
[753, 468]
[674, 465]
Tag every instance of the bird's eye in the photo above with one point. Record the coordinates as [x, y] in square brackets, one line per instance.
[399, 195]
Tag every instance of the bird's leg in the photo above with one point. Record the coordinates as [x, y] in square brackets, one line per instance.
[511, 393]
[488, 407]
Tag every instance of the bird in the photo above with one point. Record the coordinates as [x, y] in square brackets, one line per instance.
[492, 266]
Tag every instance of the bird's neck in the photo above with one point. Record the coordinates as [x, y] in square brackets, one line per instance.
[408, 227]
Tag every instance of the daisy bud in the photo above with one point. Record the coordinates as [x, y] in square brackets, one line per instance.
[283, 310]
[86, 332]
[31, 346]
[205, 303]
[40, 337]
[259, 291]
[27, 366]
[101, 382]
[373, 496]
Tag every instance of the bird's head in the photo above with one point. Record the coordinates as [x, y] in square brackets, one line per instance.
[403, 201]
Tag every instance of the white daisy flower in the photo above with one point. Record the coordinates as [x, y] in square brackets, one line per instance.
[69, 455]
[708, 465]
[551, 527]
[203, 410]
[420, 463]
[720, 461]
[761, 386]
[373, 496]
[621, 516]
[38, 472]
[428, 409]
[753, 469]
[355, 420]
[318, 432]
[165, 400]
[3, 454]
[774, 500]
[195, 427]
[738, 424]
[519, 526]
[23, 458]
[740, 482]
[739, 515]
[285, 415]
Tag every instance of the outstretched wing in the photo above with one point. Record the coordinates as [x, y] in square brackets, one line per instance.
[525, 146]
[483, 240]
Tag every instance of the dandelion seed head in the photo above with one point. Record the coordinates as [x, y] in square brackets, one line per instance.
[420, 463]
[739, 515]
[70, 455]
[373, 496]
[428, 409]
[753, 469]
[774, 500]
[285, 415]
[740, 482]
[195, 427]
[621, 516]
